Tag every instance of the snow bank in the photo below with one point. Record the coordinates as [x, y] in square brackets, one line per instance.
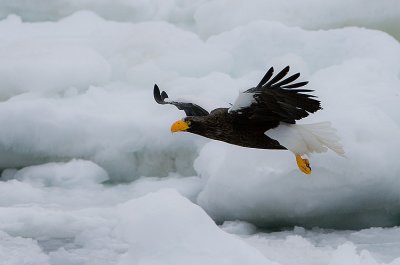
[227, 15]
[57, 183]
[266, 188]
[88, 79]
[17, 250]
[164, 228]
[100, 125]
[305, 51]
[41, 67]
[75, 174]
[358, 89]
[172, 10]
[215, 16]
[158, 228]
[328, 247]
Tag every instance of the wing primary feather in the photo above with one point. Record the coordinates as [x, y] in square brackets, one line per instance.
[157, 96]
[164, 95]
[278, 77]
[286, 81]
[190, 109]
[277, 99]
[302, 91]
[300, 84]
[266, 77]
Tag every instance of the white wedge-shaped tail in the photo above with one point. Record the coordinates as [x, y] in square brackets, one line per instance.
[304, 139]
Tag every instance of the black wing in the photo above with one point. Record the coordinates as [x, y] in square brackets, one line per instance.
[278, 99]
[190, 109]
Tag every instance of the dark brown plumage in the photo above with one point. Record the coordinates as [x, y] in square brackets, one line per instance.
[220, 125]
[274, 100]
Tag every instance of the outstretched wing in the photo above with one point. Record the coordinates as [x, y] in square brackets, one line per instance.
[275, 99]
[190, 109]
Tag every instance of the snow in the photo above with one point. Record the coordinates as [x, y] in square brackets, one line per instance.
[17, 250]
[39, 65]
[328, 247]
[74, 174]
[323, 16]
[164, 228]
[90, 173]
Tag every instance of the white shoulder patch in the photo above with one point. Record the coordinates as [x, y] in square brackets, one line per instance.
[242, 101]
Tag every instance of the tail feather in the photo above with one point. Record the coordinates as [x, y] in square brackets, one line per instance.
[324, 135]
[307, 138]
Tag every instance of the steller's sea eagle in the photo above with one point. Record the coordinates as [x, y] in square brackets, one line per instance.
[262, 117]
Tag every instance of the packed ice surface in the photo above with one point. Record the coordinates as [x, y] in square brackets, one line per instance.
[164, 228]
[216, 16]
[92, 175]
[320, 246]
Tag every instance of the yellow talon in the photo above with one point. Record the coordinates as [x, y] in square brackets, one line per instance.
[303, 164]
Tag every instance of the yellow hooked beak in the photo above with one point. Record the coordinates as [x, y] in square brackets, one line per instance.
[180, 126]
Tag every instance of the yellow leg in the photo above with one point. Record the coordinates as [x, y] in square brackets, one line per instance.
[303, 164]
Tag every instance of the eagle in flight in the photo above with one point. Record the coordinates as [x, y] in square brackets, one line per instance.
[263, 117]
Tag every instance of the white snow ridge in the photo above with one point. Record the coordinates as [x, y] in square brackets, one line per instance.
[90, 173]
